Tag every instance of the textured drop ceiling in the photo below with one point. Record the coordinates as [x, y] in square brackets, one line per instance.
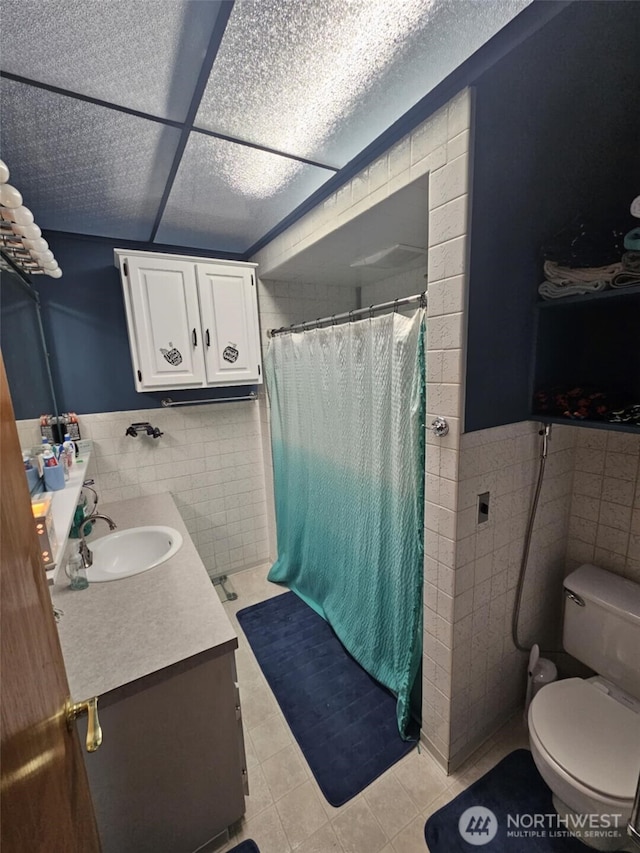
[206, 123]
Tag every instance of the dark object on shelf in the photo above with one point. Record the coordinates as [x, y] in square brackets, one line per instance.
[575, 403]
[586, 242]
[586, 404]
[134, 429]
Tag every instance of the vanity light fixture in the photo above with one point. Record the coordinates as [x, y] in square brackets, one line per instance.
[21, 240]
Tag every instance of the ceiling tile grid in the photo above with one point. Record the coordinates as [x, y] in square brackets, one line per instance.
[230, 193]
[313, 81]
[145, 55]
[83, 168]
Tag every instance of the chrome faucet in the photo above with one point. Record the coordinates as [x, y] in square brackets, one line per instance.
[86, 555]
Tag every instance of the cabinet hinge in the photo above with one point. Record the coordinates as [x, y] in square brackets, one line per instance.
[125, 267]
[139, 376]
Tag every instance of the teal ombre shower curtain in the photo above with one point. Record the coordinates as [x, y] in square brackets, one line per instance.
[347, 415]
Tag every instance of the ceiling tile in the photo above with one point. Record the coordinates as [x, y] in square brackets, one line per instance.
[226, 195]
[84, 168]
[323, 79]
[135, 53]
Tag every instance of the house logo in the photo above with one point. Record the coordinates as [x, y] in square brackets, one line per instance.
[172, 355]
[230, 353]
[478, 825]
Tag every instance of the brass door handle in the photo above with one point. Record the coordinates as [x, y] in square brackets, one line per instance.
[90, 708]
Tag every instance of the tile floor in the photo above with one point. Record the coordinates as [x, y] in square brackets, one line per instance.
[286, 810]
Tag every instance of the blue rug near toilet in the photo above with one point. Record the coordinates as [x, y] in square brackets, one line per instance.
[344, 720]
[513, 787]
[246, 847]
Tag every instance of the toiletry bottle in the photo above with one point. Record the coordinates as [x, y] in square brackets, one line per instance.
[69, 450]
[48, 456]
[76, 572]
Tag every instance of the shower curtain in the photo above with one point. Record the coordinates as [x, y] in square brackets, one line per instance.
[347, 415]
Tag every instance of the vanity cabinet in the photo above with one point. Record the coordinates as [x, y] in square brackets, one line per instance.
[192, 322]
[171, 772]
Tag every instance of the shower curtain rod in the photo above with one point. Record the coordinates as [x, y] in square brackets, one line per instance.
[420, 298]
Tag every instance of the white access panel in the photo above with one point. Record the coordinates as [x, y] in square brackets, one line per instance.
[229, 311]
[166, 323]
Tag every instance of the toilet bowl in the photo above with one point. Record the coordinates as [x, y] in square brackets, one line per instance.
[585, 740]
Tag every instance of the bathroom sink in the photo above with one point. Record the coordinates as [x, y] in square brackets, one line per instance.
[130, 552]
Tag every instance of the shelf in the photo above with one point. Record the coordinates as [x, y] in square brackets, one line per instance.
[555, 419]
[613, 293]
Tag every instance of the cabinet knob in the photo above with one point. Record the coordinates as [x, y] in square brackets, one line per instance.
[194, 338]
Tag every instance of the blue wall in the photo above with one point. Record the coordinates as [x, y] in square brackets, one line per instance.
[85, 326]
[557, 134]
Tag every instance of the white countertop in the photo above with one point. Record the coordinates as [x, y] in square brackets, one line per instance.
[117, 632]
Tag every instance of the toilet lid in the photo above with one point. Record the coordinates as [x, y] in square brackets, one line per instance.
[594, 738]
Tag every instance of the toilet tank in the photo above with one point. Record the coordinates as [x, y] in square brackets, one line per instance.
[602, 625]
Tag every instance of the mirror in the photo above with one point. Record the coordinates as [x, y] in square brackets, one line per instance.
[24, 348]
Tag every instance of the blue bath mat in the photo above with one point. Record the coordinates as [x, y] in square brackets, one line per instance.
[344, 720]
[246, 847]
[515, 788]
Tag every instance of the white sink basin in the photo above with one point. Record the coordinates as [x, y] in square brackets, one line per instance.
[130, 552]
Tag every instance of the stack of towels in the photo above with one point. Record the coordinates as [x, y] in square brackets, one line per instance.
[630, 272]
[587, 257]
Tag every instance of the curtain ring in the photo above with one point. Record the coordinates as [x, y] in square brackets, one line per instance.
[351, 316]
[333, 319]
[371, 312]
[395, 306]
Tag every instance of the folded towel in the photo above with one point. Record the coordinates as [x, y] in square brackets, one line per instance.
[549, 290]
[625, 279]
[631, 261]
[567, 275]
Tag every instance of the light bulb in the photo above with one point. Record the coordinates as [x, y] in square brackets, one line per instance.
[4, 172]
[38, 245]
[55, 273]
[30, 231]
[41, 257]
[49, 265]
[21, 215]
[10, 196]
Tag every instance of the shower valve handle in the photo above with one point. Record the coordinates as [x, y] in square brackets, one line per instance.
[439, 427]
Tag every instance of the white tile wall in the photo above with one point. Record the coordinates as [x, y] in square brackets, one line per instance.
[405, 283]
[440, 147]
[281, 303]
[488, 673]
[209, 458]
[605, 510]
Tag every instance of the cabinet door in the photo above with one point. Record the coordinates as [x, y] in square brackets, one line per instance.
[166, 323]
[230, 324]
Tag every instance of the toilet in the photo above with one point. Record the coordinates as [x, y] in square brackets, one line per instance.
[584, 733]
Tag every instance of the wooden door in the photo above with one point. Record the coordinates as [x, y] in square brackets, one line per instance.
[164, 322]
[230, 324]
[46, 804]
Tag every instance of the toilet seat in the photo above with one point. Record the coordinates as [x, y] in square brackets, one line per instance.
[593, 738]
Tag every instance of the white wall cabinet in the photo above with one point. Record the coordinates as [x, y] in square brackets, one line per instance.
[192, 322]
